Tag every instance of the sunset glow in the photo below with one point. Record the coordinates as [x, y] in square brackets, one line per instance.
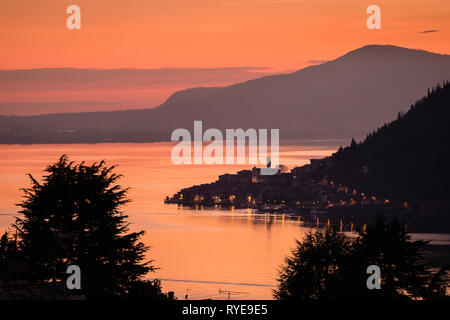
[173, 153]
[281, 34]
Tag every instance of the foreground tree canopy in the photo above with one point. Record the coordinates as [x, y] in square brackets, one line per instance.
[74, 217]
[329, 265]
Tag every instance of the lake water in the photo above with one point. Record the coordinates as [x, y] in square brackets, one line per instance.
[203, 253]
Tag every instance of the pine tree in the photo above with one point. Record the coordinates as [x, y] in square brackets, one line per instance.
[329, 265]
[74, 217]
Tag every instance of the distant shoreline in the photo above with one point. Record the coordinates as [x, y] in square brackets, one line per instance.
[310, 141]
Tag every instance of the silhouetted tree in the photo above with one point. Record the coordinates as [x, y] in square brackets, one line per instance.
[437, 288]
[328, 265]
[74, 217]
[11, 262]
[8, 248]
[314, 267]
[389, 247]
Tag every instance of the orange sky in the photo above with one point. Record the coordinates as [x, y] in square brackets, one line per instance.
[281, 34]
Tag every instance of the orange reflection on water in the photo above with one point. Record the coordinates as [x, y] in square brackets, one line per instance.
[198, 251]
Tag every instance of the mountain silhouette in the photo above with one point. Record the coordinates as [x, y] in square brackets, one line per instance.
[346, 97]
[406, 159]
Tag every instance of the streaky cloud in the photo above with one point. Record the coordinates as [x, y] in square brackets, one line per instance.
[429, 31]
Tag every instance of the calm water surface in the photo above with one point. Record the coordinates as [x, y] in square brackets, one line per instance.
[201, 253]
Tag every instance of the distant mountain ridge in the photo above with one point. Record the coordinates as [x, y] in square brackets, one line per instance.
[25, 92]
[346, 97]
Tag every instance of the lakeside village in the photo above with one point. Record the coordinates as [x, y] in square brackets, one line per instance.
[304, 192]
